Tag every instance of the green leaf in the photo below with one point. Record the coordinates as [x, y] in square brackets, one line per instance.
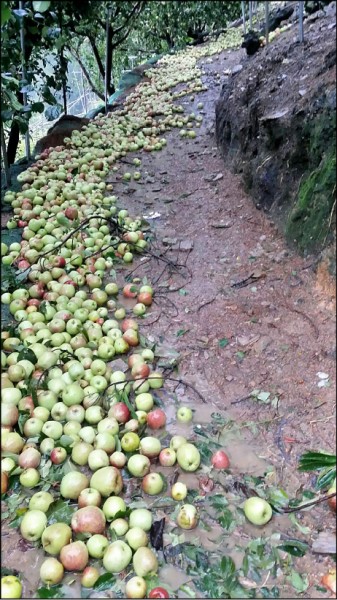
[325, 478]
[41, 6]
[310, 461]
[60, 511]
[300, 583]
[37, 107]
[227, 567]
[294, 547]
[226, 519]
[54, 591]
[218, 501]
[104, 582]
[5, 13]
[273, 592]
[302, 528]
[218, 418]
[223, 342]
[278, 498]
[28, 354]
[181, 332]
[23, 417]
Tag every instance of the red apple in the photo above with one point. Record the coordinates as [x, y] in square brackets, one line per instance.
[158, 592]
[71, 213]
[129, 324]
[59, 261]
[131, 337]
[220, 460]
[156, 419]
[145, 298]
[130, 290]
[167, 457]
[120, 411]
[89, 519]
[58, 455]
[74, 556]
[140, 370]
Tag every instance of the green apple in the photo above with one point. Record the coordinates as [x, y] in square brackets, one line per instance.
[184, 414]
[257, 510]
[117, 557]
[188, 457]
[11, 587]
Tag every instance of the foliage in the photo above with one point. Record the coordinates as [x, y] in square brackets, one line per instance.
[324, 463]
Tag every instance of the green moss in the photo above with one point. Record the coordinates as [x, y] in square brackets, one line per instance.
[309, 222]
[322, 136]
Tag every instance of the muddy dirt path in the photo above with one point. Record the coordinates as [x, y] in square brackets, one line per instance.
[274, 332]
[248, 315]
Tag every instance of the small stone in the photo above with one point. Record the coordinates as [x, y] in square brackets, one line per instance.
[186, 245]
[229, 378]
[118, 365]
[237, 69]
[322, 375]
[167, 241]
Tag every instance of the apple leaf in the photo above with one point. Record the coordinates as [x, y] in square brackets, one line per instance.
[53, 591]
[294, 547]
[104, 582]
[60, 511]
[226, 519]
[310, 461]
[227, 567]
[5, 13]
[299, 582]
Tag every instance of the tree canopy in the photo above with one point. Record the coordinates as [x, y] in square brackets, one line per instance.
[99, 36]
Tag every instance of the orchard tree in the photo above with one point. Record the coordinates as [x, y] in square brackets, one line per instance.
[168, 25]
[60, 30]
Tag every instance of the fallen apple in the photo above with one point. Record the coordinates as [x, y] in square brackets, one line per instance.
[184, 414]
[188, 457]
[187, 517]
[220, 460]
[257, 510]
[51, 571]
[117, 557]
[135, 587]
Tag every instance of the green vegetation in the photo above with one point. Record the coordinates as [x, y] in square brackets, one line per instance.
[311, 221]
[100, 37]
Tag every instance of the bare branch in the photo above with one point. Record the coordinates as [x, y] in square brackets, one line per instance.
[86, 74]
[137, 6]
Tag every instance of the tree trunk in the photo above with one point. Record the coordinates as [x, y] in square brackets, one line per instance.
[4, 157]
[13, 140]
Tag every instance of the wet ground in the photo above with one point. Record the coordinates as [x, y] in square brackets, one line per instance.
[249, 315]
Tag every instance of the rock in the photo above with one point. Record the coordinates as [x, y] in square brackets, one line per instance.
[118, 365]
[167, 241]
[237, 69]
[186, 245]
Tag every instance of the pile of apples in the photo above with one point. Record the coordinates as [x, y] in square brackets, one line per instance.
[71, 321]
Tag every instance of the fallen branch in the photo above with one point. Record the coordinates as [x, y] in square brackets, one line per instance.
[308, 504]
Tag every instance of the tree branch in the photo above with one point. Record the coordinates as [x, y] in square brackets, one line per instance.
[98, 58]
[138, 5]
[86, 74]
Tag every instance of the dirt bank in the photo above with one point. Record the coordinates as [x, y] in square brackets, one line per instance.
[276, 126]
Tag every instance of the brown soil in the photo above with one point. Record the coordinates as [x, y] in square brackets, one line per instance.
[279, 324]
[268, 112]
